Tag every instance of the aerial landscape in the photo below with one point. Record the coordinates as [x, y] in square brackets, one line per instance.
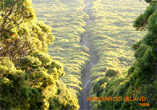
[78, 54]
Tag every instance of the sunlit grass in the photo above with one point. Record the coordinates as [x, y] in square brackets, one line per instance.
[68, 21]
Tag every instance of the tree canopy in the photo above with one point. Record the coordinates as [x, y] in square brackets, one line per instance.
[28, 74]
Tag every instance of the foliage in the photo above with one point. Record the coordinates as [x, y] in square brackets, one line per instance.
[139, 80]
[31, 79]
[28, 74]
[68, 21]
[109, 38]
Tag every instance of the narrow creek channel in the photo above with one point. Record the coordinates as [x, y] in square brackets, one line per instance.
[86, 82]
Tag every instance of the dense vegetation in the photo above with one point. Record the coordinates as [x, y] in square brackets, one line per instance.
[112, 44]
[112, 34]
[28, 75]
[32, 70]
[67, 20]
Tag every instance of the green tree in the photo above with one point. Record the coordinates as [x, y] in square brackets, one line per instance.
[141, 76]
[28, 75]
